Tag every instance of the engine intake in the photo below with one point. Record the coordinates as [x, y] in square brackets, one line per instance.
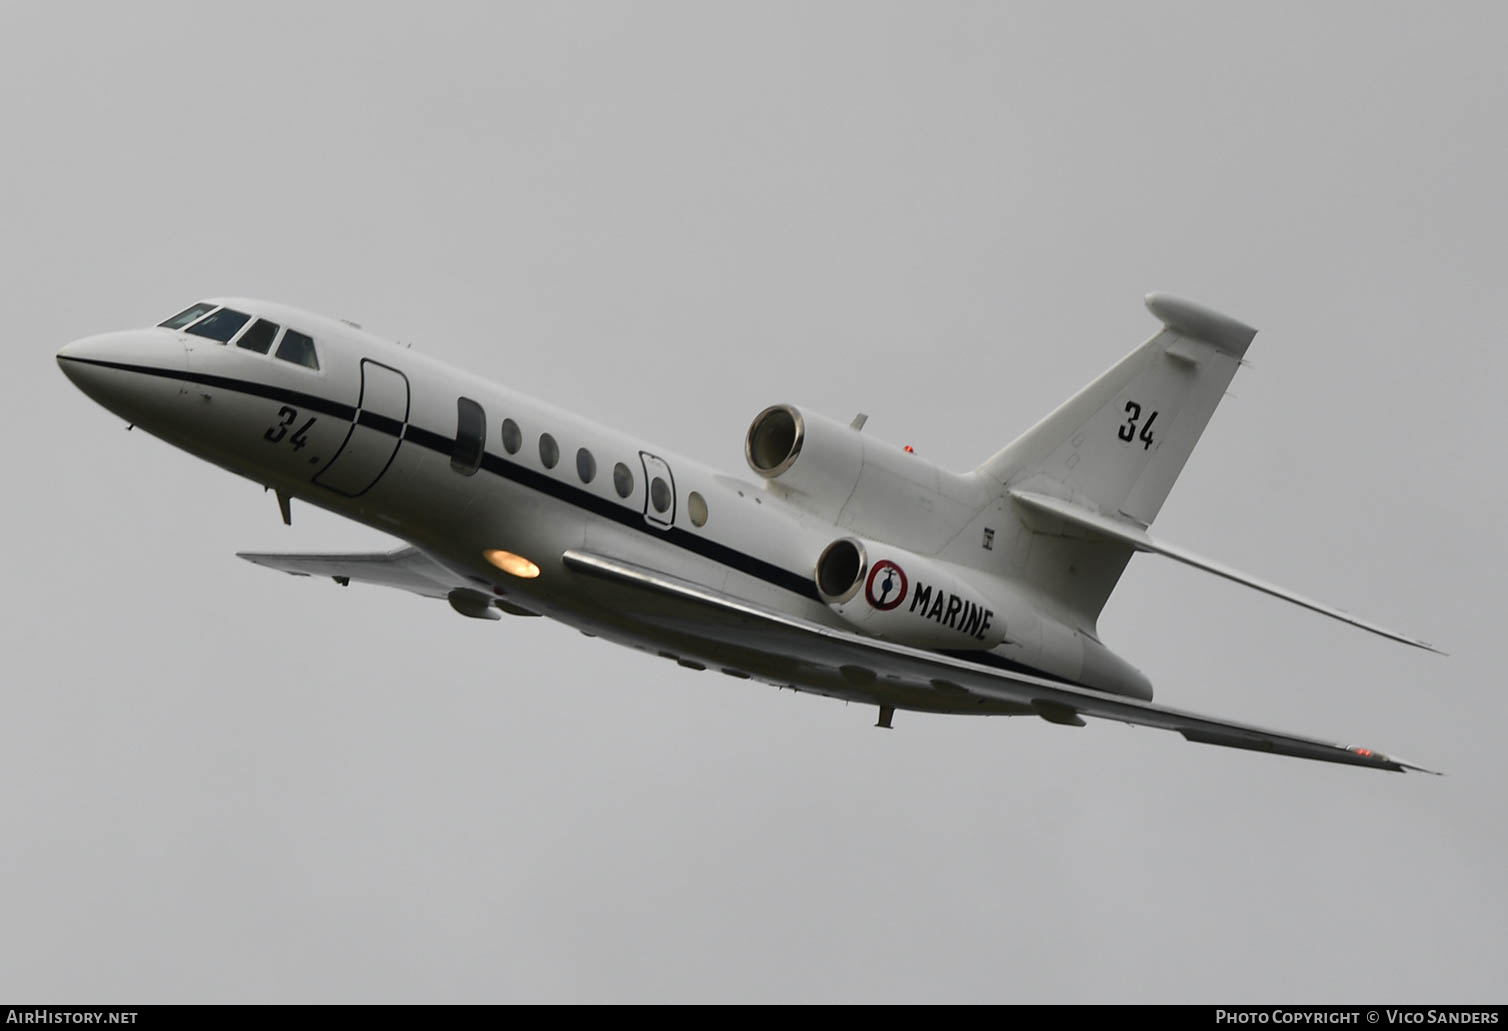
[774, 440]
[840, 570]
[809, 459]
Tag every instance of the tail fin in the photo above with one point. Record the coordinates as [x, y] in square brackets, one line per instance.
[1116, 447]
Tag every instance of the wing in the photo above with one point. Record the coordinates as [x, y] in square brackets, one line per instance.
[684, 605]
[408, 569]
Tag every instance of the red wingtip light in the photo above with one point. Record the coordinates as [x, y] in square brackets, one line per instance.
[909, 450]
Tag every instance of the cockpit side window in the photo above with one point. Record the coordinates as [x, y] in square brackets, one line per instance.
[187, 315]
[220, 326]
[259, 337]
[298, 349]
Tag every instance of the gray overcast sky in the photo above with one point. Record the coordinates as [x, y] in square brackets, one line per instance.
[221, 784]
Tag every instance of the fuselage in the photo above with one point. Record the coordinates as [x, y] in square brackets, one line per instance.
[463, 469]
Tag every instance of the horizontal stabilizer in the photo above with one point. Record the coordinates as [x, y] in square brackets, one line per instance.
[1127, 533]
[1200, 323]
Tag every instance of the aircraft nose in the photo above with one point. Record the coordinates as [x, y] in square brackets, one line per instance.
[124, 371]
[86, 362]
[76, 359]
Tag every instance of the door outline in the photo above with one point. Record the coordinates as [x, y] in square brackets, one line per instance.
[372, 422]
[654, 466]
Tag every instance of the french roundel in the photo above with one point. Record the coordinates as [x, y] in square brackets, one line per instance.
[886, 586]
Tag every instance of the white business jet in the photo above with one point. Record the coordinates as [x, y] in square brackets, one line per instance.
[849, 568]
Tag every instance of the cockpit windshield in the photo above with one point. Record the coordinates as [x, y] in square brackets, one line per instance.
[259, 337]
[220, 326]
[225, 325]
[187, 315]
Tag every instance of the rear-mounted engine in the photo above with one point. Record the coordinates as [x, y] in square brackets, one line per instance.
[905, 598]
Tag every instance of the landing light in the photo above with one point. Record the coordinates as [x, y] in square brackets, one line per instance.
[508, 562]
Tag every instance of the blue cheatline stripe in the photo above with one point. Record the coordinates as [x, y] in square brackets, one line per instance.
[599, 506]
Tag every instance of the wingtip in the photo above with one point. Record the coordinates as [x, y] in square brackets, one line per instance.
[1404, 766]
[1412, 768]
[1412, 642]
[1421, 645]
[1370, 757]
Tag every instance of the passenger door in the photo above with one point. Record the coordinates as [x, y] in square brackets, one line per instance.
[375, 434]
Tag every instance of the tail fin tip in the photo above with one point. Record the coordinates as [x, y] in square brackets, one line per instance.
[1194, 320]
